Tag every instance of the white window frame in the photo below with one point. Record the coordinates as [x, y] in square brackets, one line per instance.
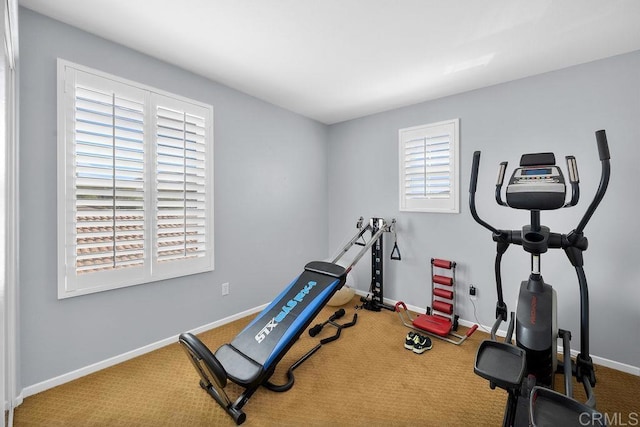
[426, 203]
[70, 283]
[9, 314]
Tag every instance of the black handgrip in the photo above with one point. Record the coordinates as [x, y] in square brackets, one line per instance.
[353, 321]
[333, 337]
[315, 330]
[338, 314]
[603, 151]
[396, 250]
[474, 172]
[603, 146]
[472, 194]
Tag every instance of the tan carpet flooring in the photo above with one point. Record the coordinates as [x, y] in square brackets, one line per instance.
[366, 378]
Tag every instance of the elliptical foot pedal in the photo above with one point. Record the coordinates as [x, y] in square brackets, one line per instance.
[501, 363]
[550, 408]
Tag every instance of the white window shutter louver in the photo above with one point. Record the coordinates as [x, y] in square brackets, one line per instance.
[428, 164]
[180, 180]
[109, 181]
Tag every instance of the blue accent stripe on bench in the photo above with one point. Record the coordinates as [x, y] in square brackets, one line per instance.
[299, 322]
[275, 302]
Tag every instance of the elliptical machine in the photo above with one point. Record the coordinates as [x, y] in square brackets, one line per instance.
[526, 370]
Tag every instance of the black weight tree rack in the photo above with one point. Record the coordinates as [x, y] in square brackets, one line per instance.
[375, 300]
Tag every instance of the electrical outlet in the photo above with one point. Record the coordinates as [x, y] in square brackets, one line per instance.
[225, 288]
[473, 292]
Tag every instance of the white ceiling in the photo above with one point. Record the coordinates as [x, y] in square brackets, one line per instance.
[334, 60]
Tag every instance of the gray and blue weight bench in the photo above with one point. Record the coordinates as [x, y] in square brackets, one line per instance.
[251, 358]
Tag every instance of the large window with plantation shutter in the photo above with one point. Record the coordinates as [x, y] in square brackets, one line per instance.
[135, 202]
[429, 167]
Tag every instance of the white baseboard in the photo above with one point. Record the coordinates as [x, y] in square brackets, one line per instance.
[78, 373]
[70, 376]
[16, 402]
[619, 366]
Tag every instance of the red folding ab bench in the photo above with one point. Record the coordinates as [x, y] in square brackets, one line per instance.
[440, 319]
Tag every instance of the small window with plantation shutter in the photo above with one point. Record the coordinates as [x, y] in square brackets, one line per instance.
[135, 183]
[429, 173]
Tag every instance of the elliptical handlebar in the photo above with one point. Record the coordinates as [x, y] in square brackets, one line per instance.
[603, 151]
[472, 194]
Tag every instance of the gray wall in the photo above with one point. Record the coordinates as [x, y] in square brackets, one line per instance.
[270, 210]
[559, 112]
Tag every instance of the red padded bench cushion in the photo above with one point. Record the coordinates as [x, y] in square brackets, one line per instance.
[437, 325]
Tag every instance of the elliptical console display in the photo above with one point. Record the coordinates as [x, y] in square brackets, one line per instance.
[537, 184]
